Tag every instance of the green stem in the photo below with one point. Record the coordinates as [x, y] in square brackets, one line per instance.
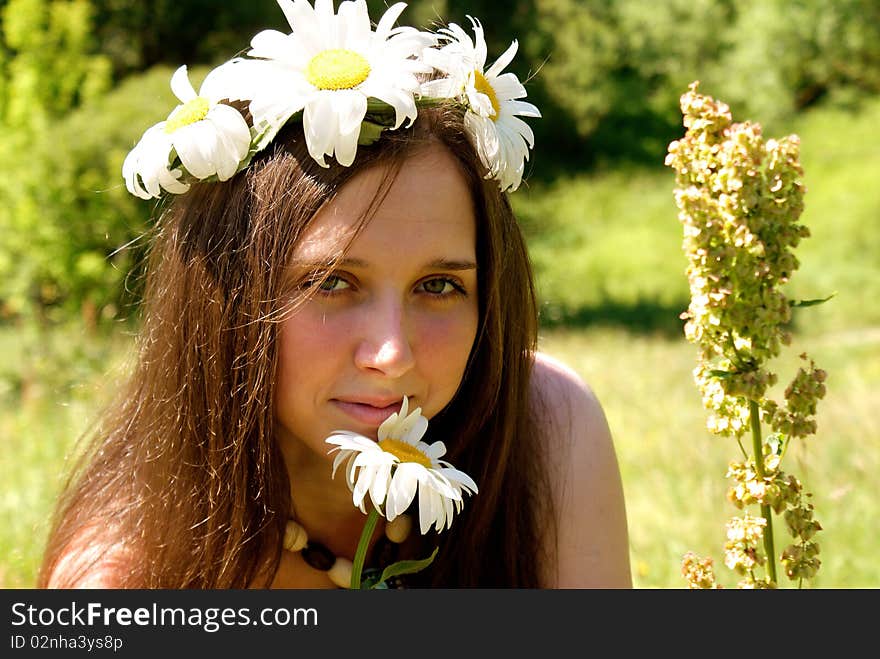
[766, 513]
[361, 553]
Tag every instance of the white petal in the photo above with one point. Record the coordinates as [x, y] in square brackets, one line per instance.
[349, 440]
[379, 485]
[351, 474]
[364, 481]
[275, 108]
[441, 88]
[402, 489]
[168, 180]
[484, 138]
[130, 174]
[196, 146]
[414, 430]
[346, 146]
[460, 479]
[274, 45]
[319, 122]
[449, 509]
[406, 423]
[406, 42]
[426, 516]
[146, 168]
[503, 61]
[520, 108]
[388, 428]
[522, 129]
[402, 101]
[435, 450]
[351, 107]
[383, 29]
[338, 460]
[326, 22]
[293, 12]
[181, 85]
[440, 484]
[507, 87]
[354, 25]
[373, 458]
[479, 45]
[233, 138]
[221, 82]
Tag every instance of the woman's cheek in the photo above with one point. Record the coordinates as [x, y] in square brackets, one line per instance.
[445, 344]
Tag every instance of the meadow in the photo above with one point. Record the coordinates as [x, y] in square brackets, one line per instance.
[606, 251]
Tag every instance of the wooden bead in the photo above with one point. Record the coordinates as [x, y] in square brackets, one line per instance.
[318, 556]
[340, 573]
[295, 536]
[397, 530]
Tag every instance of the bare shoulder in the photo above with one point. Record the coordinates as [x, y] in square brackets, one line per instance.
[88, 562]
[592, 544]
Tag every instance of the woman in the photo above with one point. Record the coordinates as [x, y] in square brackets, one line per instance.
[295, 297]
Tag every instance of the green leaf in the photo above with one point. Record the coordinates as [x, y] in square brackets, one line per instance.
[405, 567]
[810, 303]
[370, 132]
[370, 579]
[721, 374]
[263, 134]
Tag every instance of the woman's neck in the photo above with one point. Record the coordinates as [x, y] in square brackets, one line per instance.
[321, 504]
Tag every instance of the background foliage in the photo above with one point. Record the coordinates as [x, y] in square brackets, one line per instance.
[81, 79]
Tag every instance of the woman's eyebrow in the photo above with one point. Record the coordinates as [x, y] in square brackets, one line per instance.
[452, 264]
[350, 262]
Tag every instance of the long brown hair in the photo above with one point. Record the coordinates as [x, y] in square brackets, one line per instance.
[184, 476]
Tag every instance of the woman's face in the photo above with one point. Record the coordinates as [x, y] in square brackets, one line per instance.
[399, 314]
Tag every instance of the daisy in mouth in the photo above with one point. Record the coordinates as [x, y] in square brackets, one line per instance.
[397, 466]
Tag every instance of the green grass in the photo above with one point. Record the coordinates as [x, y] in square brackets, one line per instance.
[609, 246]
[607, 255]
[51, 386]
[673, 469]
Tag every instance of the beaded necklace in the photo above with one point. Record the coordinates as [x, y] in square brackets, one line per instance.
[338, 569]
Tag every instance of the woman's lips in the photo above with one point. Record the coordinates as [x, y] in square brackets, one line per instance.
[366, 413]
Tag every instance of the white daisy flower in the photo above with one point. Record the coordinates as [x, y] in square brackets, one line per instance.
[328, 67]
[501, 138]
[210, 138]
[393, 468]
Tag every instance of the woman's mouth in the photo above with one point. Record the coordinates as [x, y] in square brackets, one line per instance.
[371, 414]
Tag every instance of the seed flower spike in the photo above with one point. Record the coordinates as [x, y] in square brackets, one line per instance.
[347, 82]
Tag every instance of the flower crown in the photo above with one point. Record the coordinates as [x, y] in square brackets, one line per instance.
[347, 82]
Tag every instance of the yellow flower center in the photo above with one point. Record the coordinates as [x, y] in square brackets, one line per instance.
[337, 68]
[190, 112]
[482, 85]
[404, 452]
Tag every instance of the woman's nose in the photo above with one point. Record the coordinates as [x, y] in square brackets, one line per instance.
[385, 343]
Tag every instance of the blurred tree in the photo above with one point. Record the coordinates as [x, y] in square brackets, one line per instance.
[48, 67]
[606, 74]
[611, 71]
[139, 35]
[781, 56]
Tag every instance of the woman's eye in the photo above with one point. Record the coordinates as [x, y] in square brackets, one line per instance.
[332, 283]
[324, 285]
[441, 286]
